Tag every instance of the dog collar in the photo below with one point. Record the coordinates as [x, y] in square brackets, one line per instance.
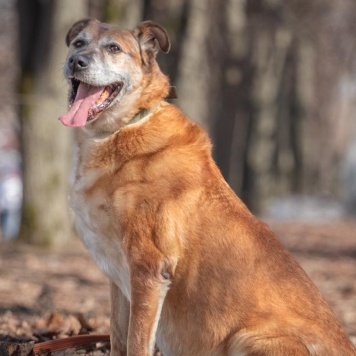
[172, 93]
[145, 112]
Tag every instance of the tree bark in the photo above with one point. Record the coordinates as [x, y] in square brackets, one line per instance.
[8, 56]
[199, 68]
[46, 143]
[232, 118]
[126, 13]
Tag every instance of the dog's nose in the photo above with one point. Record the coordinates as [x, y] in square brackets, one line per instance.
[78, 62]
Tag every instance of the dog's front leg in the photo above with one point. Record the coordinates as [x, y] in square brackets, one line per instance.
[150, 282]
[119, 321]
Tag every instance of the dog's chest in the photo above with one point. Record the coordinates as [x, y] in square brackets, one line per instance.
[96, 229]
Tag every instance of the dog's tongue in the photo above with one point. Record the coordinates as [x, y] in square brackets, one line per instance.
[78, 113]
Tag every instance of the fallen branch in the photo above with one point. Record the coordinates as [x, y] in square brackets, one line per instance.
[73, 341]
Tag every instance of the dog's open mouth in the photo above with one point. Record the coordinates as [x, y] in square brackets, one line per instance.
[86, 102]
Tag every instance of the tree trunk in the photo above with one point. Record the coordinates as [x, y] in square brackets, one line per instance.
[8, 56]
[232, 120]
[199, 68]
[46, 143]
[269, 147]
[126, 13]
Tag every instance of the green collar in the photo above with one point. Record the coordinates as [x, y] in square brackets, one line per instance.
[143, 113]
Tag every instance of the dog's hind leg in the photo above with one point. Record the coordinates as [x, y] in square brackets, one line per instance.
[268, 346]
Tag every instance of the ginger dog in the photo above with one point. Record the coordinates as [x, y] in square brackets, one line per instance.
[191, 269]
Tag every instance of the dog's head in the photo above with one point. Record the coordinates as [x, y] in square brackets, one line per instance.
[113, 73]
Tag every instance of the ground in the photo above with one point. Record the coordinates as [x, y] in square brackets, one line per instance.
[46, 295]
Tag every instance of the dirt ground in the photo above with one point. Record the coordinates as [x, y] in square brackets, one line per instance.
[51, 295]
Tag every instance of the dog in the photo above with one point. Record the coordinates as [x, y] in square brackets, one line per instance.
[191, 270]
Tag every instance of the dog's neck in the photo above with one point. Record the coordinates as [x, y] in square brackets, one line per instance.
[135, 119]
[143, 113]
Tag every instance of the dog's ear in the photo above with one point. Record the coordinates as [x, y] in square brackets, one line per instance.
[77, 28]
[152, 37]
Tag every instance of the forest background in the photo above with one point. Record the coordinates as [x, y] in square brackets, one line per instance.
[273, 82]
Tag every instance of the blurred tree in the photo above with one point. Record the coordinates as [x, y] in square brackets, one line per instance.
[266, 78]
[199, 68]
[126, 13]
[8, 56]
[278, 128]
[46, 144]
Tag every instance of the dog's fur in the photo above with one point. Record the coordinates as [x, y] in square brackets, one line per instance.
[191, 269]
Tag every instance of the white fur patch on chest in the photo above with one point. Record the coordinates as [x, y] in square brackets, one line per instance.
[93, 225]
[111, 261]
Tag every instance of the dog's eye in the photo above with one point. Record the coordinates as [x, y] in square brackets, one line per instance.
[113, 48]
[78, 43]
